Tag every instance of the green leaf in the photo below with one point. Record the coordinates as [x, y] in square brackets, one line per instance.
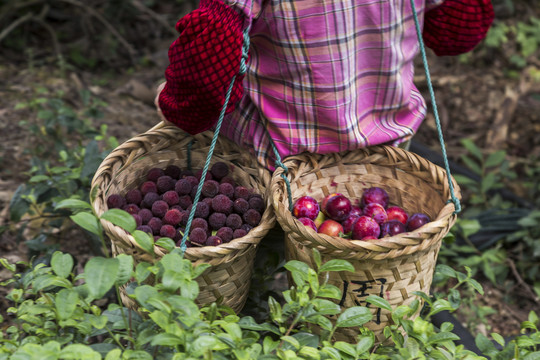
[498, 338]
[199, 269]
[472, 165]
[441, 337]
[100, 275]
[329, 291]
[495, 159]
[114, 354]
[79, 351]
[336, 265]
[331, 353]
[204, 343]
[308, 352]
[533, 317]
[275, 310]
[320, 320]
[144, 240]
[145, 292]
[137, 355]
[472, 148]
[66, 302]
[292, 341]
[248, 323]
[299, 271]
[98, 321]
[484, 344]
[464, 180]
[326, 307]
[440, 305]
[38, 178]
[18, 206]
[269, 345]
[48, 280]
[166, 243]
[354, 316]
[379, 302]
[476, 285]
[172, 280]
[364, 345]
[345, 347]
[120, 218]
[88, 222]
[125, 268]
[62, 264]
[487, 267]
[73, 204]
[92, 159]
[469, 227]
[316, 258]
[445, 270]
[488, 182]
[454, 297]
[165, 339]
[532, 356]
[142, 271]
[5, 263]
[307, 339]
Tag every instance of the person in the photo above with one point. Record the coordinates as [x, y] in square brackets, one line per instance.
[322, 76]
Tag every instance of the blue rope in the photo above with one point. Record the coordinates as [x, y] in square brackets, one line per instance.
[242, 70]
[455, 200]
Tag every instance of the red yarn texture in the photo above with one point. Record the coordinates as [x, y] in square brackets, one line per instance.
[203, 61]
[457, 26]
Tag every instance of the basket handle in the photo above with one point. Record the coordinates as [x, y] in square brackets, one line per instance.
[454, 199]
[242, 70]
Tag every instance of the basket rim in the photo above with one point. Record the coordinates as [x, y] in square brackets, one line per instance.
[388, 247]
[129, 149]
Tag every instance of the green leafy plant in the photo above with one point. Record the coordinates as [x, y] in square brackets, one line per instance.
[526, 247]
[492, 170]
[55, 312]
[520, 41]
[65, 153]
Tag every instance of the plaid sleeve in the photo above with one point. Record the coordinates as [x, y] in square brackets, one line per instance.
[457, 26]
[203, 61]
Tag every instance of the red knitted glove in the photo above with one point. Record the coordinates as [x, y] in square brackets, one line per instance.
[457, 26]
[203, 61]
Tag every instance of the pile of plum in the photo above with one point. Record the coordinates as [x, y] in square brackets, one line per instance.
[371, 219]
[161, 205]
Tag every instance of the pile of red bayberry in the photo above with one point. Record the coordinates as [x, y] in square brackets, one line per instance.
[162, 204]
[372, 219]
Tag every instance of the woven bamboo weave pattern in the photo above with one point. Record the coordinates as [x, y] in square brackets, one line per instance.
[126, 167]
[392, 267]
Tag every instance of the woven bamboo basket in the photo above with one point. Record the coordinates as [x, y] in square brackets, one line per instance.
[392, 267]
[228, 279]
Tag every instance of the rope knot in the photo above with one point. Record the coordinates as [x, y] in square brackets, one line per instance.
[245, 52]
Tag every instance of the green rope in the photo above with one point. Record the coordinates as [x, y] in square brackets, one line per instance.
[455, 200]
[285, 169]
[242, 70]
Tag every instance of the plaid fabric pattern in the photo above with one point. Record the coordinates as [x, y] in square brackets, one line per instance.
[328, 76]
[202, 62]
[323, 76]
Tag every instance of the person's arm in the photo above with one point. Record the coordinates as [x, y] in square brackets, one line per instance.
[203, 61]
[457, 26]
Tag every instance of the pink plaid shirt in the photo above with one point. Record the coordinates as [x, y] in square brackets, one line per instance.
[327, 76]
